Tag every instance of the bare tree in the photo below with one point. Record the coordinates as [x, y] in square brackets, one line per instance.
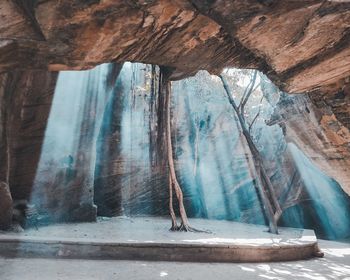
[265, 188]
[173, 182]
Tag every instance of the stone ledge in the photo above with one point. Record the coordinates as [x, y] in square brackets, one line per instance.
[155, 252]
[149, 239]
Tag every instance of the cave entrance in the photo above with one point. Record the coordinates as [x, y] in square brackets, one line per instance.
[103, 146]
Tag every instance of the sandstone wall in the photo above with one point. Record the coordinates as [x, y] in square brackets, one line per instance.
[300, 45]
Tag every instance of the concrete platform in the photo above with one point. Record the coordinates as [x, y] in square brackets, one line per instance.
[149, 238]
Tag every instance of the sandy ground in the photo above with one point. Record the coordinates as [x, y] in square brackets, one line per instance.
[335, 265]
[152, 229]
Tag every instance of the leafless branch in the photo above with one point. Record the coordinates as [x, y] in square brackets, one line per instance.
[250, 90]
[256, 116]
[244, 93]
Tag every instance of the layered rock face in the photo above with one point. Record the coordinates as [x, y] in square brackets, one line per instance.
[300, 45]
[311, 123]
[64, 182]
[104, 144]
[25, 105]
[213, 164]
[131, 173]
[314, 165]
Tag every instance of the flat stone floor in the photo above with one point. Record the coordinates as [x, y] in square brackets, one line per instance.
[156, 230]
[335, 265]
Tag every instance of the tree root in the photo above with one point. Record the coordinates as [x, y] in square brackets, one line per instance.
[174, 228]
[188, 228]
[174, 225]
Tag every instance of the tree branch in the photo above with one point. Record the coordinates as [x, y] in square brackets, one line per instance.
[257, 115]
[250, 91]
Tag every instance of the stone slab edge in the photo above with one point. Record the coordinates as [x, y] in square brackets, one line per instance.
[70, 248]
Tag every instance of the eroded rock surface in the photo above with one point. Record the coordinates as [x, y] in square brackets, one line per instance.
[311, 123]
[301, 45]
[5, 206]
[25, 98]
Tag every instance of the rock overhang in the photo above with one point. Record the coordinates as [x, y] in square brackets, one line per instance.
[303, 46]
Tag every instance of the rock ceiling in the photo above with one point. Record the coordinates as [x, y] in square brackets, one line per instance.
[302, 45]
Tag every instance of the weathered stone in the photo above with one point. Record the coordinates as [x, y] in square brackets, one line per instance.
[301, 45]
[32, 96]
[5, 206]
[131, 173]
[25, 99]
[310, 123]
[149, 239]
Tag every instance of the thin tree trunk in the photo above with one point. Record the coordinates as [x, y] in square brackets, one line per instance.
[196, 140]
[173, 183]
[263, 182]
[173, 180]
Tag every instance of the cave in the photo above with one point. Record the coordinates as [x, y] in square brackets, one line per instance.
[120, 120]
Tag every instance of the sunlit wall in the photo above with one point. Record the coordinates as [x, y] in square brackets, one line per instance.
[63, 187]
[99, 145]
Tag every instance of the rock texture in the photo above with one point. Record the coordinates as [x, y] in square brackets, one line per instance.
[213, 164]
[301, 45]
[131, 173]
[104, 144]
[313, 167]
[63, 189]
[33, 93]
[25, 105]
[5, 195]
[6, 208]
[311, 123]
[131, 176]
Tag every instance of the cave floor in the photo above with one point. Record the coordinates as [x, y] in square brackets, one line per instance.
[335, 265]
[149, 238]
[156, 229]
